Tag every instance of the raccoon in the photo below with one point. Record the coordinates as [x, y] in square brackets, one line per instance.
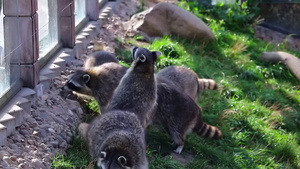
[136, 91]
[99, 58]
[117, 141]
[179, 114]
[187, 80]
[99, 82]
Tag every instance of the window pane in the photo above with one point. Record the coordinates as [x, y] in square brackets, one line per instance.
[48, 25]
[80, 11]
[9, 58]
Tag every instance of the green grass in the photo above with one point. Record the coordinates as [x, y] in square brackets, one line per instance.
[256, 106]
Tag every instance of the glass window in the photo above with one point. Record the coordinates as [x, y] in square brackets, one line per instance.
[9, 56]
[80, 11]
[48, 25]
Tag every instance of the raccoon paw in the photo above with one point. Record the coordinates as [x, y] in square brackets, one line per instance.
[179, 149]
[83, 129]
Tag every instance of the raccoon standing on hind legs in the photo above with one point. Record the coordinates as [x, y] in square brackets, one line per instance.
[136, 91]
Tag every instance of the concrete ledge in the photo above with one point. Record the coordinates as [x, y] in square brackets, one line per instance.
[86, 36]
[83, 39]
[66, 57]
[60, 62]
[78, 48]
[91, 32]
[22, 102]
[14, 110]
[28, 94]
[47, 72]
[3, 135]
[46, 83]
[95, 25]
[106, 11]
[9, 122]
[55, 68]
[17, 112]
[69, 51]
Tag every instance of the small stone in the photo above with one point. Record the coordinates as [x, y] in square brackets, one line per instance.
[35, 133]
[31, 142]
[24, 132]
[51, 130]
[54, 144]
[63, 145]
[35, 114]
[7, 160]
[13, 158]
[3, 153]
[43, 133]
[18, 137]
[69, 139]
[70, 112]
[9, 140]
[70, 121]
[36, 163]
[59, 120]
[13, 147]
[4, 164]
[20, 160]
[24, 166]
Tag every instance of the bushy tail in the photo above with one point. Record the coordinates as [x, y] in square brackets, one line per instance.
[206, 84]
[208, 131]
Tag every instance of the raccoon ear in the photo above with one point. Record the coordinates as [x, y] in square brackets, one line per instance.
[103, 155]
[122, 160]
[143, 58]
[86, 78]
[156, 54]
[133, 50]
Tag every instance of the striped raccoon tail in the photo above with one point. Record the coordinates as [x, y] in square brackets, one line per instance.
[208, 131]
[206, 84]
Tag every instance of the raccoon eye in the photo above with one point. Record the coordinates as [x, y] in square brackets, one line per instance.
[143, 58]
[86, 78]
[122, 160]
[103, 155]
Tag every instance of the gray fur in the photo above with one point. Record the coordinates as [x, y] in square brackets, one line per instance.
[99, 82]
[117, 140]
[136, 91]
[98, 58]
[180, 114]
[187, 80]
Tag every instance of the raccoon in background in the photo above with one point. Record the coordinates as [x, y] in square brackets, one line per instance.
[136, 91]
[179, 114]
[187, 80]
[117, 141]
[99, 82]
[98, 58]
